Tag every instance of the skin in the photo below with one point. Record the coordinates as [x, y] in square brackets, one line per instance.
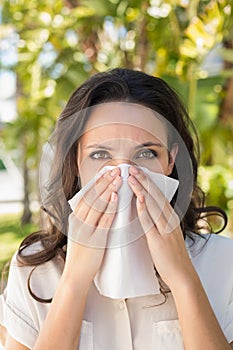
[105, 144]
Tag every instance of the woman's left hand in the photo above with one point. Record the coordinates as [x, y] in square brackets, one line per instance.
[166, 243]
[163, 232]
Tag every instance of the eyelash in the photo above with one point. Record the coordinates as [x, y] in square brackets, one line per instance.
[106, 155]
[152, 153]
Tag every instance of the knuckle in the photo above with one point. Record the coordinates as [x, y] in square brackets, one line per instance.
[145, 221]
[142, 176]
[100, 204]
[104, 222]
[173, 222]
[73, 220]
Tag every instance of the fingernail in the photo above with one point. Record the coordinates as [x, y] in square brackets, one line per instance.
[134, 170]
[113, 197]
[114, 172]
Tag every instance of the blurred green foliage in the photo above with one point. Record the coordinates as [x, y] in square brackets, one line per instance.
[61, 42]
[12, 234]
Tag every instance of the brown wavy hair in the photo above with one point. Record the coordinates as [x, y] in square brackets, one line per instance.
[115, 85]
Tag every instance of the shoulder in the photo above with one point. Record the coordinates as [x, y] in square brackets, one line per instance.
[221, 241]
[212, 256]
[209, 244]
[30, 250]
[20, 312]
[218, 242]
[44, 277]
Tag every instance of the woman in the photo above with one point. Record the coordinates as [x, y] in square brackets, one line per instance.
[51, 302]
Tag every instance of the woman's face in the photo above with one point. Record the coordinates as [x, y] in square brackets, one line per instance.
[121, 132]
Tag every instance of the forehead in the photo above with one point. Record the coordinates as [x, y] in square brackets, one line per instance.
[125, 120]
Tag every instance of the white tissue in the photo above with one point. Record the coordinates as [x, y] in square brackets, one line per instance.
[127, 269]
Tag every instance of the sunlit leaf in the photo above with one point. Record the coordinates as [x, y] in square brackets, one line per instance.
[188, 48]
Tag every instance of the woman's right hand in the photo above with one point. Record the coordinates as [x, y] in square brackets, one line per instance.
[89, 225]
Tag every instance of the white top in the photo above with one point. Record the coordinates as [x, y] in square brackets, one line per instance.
[133, 324]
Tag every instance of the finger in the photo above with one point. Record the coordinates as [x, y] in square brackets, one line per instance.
[144, 217]
[99, 237]
[107, 217]
[76, 230]
[153, 207]
[161, 212]
[172, 223]
[86, 219]
[150, 186]
[99, 186]
[90, 197]
[102, 203]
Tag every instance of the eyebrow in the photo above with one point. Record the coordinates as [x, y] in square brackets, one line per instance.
[146, 144]
[96, 145]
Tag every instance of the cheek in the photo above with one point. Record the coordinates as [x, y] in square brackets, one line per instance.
[156, 166]
[88, 168]
[85, 172]
[166, 166]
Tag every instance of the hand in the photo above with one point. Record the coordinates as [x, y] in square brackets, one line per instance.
[162, 228]
[89, 225]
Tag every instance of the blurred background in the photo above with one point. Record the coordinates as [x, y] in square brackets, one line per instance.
[49, 47]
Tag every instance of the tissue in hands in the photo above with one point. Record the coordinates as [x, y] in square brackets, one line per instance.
[127, 269]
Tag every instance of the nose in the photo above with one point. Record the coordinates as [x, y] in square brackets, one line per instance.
[119, 161]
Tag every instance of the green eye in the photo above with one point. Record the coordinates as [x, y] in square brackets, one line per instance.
[147, 154]
[100, 155]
